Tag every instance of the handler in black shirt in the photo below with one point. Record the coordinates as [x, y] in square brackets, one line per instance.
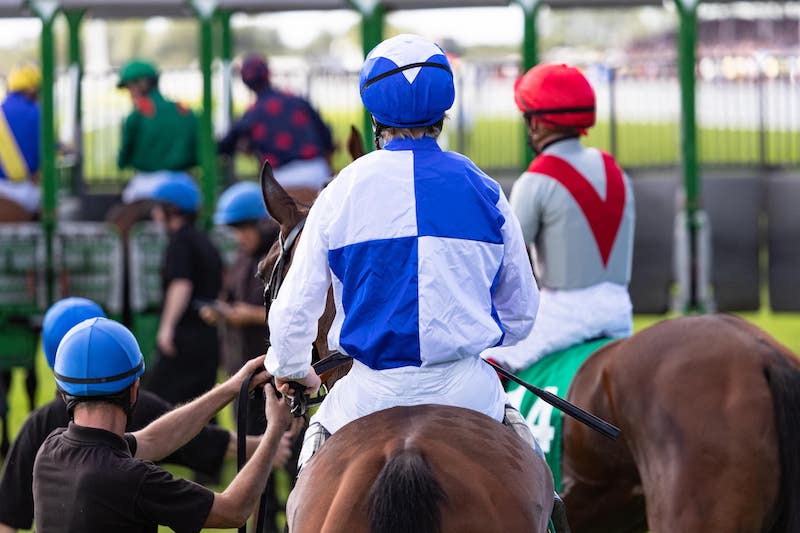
[204, 453]
[93, 477]
[188, 348]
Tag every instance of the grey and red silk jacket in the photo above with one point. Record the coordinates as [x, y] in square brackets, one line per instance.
[576, 207]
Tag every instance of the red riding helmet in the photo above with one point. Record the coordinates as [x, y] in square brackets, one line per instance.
[557, 95]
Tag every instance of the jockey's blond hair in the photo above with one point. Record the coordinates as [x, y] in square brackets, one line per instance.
[390, 132]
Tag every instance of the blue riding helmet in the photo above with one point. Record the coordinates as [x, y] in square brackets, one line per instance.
[98, 357]
[407, 82]
[240, 203]
[178, 190]
[60, 318]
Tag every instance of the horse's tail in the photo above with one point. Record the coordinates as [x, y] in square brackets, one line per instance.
[784, 382]
[405, 496]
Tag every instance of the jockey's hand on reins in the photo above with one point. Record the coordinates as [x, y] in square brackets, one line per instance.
[298, 403]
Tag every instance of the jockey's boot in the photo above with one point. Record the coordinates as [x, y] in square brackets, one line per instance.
[513, 420]
[315, 437]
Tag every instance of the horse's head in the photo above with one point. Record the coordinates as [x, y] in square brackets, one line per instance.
[289, 215]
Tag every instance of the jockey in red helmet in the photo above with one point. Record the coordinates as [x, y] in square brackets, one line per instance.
[576, 208]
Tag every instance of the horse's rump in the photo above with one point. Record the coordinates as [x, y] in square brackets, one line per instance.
[482, 475]
[695, 398]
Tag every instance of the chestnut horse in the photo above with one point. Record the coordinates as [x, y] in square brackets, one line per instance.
[709, 408]
[426, 469]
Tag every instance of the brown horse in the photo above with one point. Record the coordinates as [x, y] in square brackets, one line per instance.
[709, 409]
[423, 469]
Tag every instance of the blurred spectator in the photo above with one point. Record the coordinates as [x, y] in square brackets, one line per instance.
[159, 137]
[187, 348]
[19, 139]
[240, 314]
[282, 129]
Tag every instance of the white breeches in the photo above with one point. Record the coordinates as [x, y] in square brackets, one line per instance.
[311, 173]
[468, 383]
[25, 193]
[142, 185]
[567, 318]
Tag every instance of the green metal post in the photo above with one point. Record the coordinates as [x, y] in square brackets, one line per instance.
[530, 58]
[74, 19]
[208, 161]
[687, 43]
[224, 111]
[372, 18]
[46, 11]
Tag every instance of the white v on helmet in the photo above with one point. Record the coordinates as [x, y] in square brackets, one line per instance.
[407, 82]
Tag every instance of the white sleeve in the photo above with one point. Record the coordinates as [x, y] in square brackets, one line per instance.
[295, 313]
[516, 296]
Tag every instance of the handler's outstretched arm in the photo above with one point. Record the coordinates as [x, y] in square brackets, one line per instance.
[232, 507]
[171, 431]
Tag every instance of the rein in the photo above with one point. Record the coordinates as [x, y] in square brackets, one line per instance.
[276, 277]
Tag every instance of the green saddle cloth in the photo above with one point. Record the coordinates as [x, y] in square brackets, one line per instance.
[553, 373]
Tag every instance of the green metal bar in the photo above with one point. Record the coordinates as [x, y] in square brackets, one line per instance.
[530, 41]
[226, 38]
[74, 20]
[225, 100]
[687, 44]
[372, 21]
[530, 58]
[208, 160]
[46, 12]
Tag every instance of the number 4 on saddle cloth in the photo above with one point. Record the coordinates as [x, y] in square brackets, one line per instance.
[554, 373]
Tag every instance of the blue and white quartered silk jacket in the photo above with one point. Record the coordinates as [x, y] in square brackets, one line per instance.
[428, 267]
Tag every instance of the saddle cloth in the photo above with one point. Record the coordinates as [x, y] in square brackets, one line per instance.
[553, 373]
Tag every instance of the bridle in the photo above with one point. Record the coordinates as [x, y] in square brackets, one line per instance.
[299, 405]
[276, 277]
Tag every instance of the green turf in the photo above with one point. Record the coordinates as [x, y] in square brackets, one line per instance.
[785, 327]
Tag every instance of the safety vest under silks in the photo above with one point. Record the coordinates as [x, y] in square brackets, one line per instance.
[576, 205]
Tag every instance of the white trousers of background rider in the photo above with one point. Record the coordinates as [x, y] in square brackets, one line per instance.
[143, 184]
[306, 173]
[567, 318]
[25, 193]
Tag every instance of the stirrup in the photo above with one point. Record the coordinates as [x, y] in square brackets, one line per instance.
[314, 438]
[558, 518]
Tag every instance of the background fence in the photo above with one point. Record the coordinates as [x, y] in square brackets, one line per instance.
[748, 111]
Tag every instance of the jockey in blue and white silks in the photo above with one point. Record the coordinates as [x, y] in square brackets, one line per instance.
[426, 258]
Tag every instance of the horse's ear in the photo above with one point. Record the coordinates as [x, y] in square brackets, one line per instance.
[355, 144]
[279, 204]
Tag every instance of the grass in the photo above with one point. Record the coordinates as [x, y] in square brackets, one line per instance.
[785, 327]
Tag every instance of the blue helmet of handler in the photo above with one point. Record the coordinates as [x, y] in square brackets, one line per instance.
[98, 360]
[178, 191]
[60, 318]
[240, 204]
[406, 82]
